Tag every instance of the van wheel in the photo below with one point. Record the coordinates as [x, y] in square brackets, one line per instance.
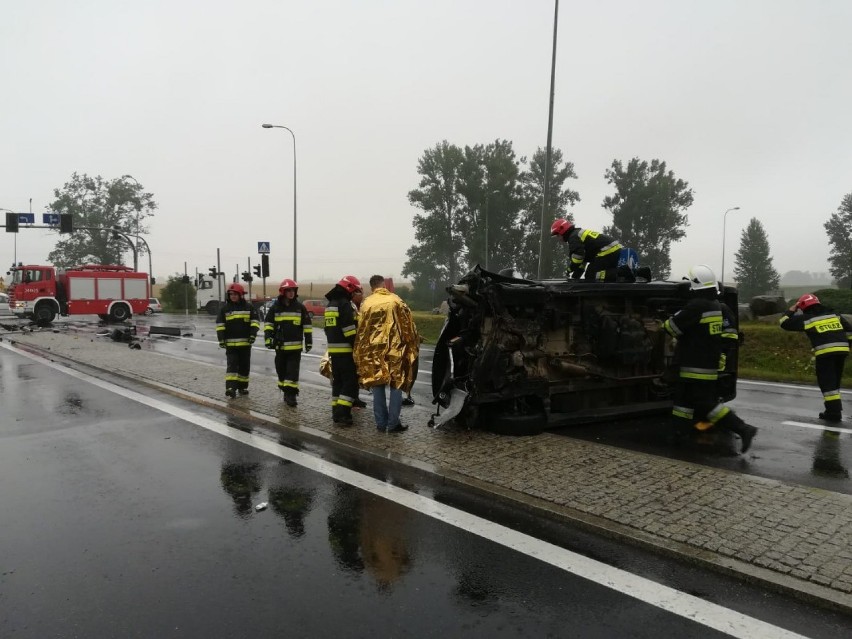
[504, 419]
[44, 314]
[119, 313]
[212, 307]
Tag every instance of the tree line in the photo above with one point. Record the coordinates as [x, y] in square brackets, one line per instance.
[480, 204]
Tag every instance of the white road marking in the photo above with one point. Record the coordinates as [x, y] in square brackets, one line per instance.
[835, 429]
[749, 382]
[674, 601]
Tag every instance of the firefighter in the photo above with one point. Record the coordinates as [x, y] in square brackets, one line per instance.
[340, 327]
[829, 334]
[595, 252]
[236, 329]
[286, 325]
[698, 329]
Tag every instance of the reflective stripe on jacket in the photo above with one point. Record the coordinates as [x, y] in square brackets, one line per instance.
[236, 324]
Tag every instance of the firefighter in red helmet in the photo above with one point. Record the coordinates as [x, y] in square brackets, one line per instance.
[236, 329]
[340, 327]
[286, 325]
[829, 334]
[595, 252]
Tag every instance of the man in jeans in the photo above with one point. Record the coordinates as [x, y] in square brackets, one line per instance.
[386, 349]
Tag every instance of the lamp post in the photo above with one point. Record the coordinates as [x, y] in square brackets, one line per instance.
[135, 259]
[724, 223]
[278, 126]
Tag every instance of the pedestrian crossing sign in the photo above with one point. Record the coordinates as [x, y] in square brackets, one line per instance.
[263, 247]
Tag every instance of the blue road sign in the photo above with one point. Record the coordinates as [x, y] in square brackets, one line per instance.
[263, 247]
[26, 218]
[50, 218]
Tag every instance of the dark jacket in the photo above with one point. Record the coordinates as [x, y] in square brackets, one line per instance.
[585, 245]
[698, 330]
[828, 331]
[237, 324]
[340, 322]
[286, 324]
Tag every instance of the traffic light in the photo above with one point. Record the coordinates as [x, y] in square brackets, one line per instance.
[184, 279]
[66, 223]
[247, 276]
[214, 272]
[11, 222]
[264, 265]
[257, 270]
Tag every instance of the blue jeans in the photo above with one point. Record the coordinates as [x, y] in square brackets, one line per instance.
[386, 412]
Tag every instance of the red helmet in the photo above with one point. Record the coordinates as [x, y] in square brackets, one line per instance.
[287, 284]
[237, 288]
[561, 227]
[349, 283]
[807, 300]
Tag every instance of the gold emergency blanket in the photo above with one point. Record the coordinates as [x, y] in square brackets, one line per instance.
[387, 343]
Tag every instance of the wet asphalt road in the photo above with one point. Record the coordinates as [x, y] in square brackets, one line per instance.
[124, 520]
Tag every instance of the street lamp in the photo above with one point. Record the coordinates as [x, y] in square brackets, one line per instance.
[278, 126]
[135, 259]
[724, 223]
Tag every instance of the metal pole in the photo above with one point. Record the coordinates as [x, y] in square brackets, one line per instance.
[185, 291]
[219, 275]
[544, 246]
[248, 261]
[295, 214]
[148, 249]
[724, 225]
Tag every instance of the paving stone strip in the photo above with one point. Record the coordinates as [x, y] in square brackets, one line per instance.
[788, 536]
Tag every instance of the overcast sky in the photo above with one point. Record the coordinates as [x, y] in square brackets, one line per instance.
[749, 102]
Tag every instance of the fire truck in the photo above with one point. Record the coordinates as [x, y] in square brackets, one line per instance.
[112, 292]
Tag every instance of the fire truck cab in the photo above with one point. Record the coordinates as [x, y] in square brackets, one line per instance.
[112, 292]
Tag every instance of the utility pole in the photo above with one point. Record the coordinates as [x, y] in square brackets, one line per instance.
[544, 240]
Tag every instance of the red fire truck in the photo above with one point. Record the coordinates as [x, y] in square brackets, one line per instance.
[112, 292]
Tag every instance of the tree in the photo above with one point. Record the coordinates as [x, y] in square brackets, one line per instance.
[647, 210]
[532, 194]
[178, 295]
[753, 268]
[488, 186]
[99, 204]
[839, 230]
[436, 258]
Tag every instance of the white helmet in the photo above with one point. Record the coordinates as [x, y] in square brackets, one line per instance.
[701, 277]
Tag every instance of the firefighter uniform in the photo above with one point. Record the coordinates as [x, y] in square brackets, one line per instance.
[829, 334]
[599, 251]
[340, 329]
[698, 329]
[236, 328]
[287, 325]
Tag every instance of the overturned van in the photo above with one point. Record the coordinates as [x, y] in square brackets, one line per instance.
[518, 356]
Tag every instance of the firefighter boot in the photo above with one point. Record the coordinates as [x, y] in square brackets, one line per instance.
[831, 413]
[732, 422]
[335, 413]
[344, 416]
[230, 392]
[290, 397]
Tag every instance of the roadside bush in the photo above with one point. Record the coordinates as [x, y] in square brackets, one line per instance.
[838, 299]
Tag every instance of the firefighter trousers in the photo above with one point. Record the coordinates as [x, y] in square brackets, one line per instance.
[603, 269]
[829, 371]
[287, 367]
[697, 400]
[344, 380]
[238, 359]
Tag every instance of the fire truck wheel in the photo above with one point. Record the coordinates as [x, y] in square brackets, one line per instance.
[119, 313]
[44, 314]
